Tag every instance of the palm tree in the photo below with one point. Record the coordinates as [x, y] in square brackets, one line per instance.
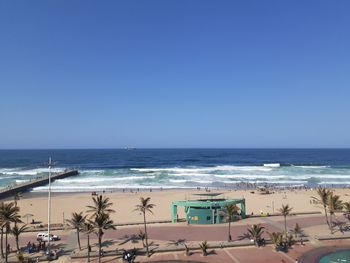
[187, 250]
[142, 236]
[204, 247]
[334, 204]
[230, 210]
[101, 205]
[16, 231]
[77, 221]
[289, 240]
[20, 257]
[88, 228]
[255, 232]
[276, 239]
[347, 210]
[298, 232]
[2, 226]
[100, 223]
[17, 197]
[323, 197]
[285, 211]
[143, 207]
[8, 215]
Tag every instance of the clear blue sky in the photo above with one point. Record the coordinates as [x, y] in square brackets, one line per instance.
[96, 74]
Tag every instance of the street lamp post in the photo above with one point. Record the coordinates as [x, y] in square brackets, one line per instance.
[49, 211]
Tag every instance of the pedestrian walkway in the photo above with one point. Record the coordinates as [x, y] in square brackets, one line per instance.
[235, 260]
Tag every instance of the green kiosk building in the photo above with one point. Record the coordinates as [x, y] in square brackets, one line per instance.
[209, 209]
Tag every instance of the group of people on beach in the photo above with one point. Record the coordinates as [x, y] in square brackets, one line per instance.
[32, 248]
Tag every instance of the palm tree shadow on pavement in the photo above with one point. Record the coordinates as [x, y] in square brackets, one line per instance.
[114, 259]
[107, 243]
[152, 246]
[244, 236]
[133, 239]
[177, 242]
[339, 224]
[212, 252]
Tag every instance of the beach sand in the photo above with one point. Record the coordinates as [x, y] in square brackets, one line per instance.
[63, 204]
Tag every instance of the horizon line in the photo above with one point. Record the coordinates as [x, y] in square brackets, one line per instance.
[180, 148]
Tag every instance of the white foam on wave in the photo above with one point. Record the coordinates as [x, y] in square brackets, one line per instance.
[21, 181]
[105, 187]
[191, 181]
[311, 166]
[274, 165]
[92, 171]
[249, 176]
[7, 170]
[178, 180]
[102, 179]
[18, 171]
[191, 175]
[191, 170]
[330, 176]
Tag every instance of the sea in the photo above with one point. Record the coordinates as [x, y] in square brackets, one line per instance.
[116, 169]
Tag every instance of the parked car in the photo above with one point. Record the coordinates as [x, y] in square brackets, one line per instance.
[45, 237]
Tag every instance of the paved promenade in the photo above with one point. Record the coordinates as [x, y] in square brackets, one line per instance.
[170, 235]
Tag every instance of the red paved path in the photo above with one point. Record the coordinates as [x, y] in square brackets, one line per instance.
[189, 233]
[211, 233]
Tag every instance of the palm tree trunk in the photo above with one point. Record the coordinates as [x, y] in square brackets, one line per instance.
[146, 237]
[88, 247]
[99, 246]
[78, 239]
[330, 221]
[325, 212]
[17, 244]
[6, 253]
[229, 230]
[285, 225]
[2, 242]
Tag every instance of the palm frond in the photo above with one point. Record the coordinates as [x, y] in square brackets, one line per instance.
[144, 205]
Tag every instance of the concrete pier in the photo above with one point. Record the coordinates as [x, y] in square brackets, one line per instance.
[12, 190]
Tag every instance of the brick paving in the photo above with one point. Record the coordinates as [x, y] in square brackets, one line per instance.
[304, 222]
[189, 233]
[237, 255]
[164, 234]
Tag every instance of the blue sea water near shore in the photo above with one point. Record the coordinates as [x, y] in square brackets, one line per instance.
[110, 169]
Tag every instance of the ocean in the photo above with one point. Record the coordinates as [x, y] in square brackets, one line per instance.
[110, 169]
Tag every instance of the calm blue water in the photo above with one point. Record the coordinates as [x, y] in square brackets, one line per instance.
[177, 168]
[340, 256]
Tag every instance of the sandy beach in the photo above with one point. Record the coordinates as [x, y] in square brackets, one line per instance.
[63, 204]
[166, 235]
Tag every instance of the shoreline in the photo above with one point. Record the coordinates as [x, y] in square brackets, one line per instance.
[143, 189]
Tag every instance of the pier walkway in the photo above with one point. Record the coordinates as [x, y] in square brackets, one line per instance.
[12, 190]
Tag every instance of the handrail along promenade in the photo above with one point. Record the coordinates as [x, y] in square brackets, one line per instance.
[23, 187]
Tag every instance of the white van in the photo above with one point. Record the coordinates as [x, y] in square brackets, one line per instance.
[45, 237]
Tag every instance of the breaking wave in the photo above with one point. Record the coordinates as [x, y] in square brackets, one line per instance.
[183, 176]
